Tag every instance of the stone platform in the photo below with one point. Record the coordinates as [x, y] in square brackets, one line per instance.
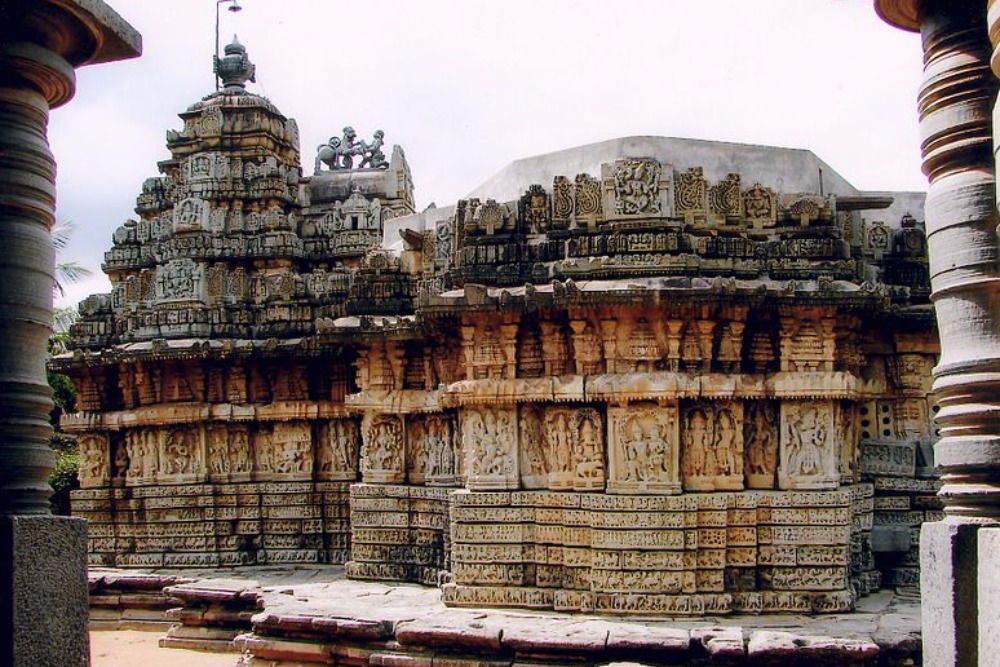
[313, 615]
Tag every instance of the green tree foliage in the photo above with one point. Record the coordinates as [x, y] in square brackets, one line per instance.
[64, 478]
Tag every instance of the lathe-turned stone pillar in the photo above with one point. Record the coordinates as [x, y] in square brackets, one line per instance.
[43, 609]
[957, 133]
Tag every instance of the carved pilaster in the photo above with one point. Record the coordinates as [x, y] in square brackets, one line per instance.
[469, 351]
[508, 338]
[609, 341]
[674, 328]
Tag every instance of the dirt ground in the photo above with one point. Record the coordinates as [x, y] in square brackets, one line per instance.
[130, 648]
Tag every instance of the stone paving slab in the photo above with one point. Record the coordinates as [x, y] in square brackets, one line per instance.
[315, 611]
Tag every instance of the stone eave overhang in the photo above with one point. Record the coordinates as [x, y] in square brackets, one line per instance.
[198, 349]
[644, 292]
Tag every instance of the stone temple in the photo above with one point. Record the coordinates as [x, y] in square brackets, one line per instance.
[651, 375]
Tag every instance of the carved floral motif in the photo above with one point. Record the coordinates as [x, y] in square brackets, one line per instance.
[691, 194]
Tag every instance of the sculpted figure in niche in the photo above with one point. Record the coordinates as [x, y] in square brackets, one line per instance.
[345, 445]
[132, 460]
[324, 454]
[808, 437]
[474, 435]
[188, 214]
[150, 454]
[489, 441]
[239, 450]
[490, 359]
[262, 451]
[444, 460]
[440, 450]
[697, 438]
[496, 459]
[533, 461]
[559, 442]
[761, 445]
[93, 461]
[658, 466]
[121, 459]
[382, 450]
[588, 450]
[643, 449]
[417, 451]
[180, 452]
[725, 442]
[218, 452]
[177, 279]
[292, 457]
[433, 445]
[713, 446]
[635, 454]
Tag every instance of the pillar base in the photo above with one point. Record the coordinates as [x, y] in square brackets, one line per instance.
[43, 591]
[948, 590]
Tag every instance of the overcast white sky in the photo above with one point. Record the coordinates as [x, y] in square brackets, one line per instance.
[466, 87]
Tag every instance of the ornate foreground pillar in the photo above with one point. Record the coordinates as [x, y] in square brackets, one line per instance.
[956, 102]
[43, 588]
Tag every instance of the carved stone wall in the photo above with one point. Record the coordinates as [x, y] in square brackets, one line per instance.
[691, 554]
[640, 392]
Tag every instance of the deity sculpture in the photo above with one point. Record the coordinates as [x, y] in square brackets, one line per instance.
[808, 436]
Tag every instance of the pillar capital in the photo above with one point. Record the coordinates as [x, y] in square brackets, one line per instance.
[899, 13]
[42, 41]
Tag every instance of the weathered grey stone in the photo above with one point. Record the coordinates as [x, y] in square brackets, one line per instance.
[720, 643]
[888, 539]
[545, 635]
[655, 639]
[456, 630]
[988, 596]
[776, 648]
[43, 620]
[948, 570]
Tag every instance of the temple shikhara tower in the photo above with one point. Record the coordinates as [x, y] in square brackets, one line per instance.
[692, 379]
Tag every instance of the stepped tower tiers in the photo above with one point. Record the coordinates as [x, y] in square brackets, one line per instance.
[232, 241]
[692, 381]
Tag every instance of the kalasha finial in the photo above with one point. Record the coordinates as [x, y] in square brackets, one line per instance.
[235, 68]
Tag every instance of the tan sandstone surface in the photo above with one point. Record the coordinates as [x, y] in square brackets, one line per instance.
[126, 648]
